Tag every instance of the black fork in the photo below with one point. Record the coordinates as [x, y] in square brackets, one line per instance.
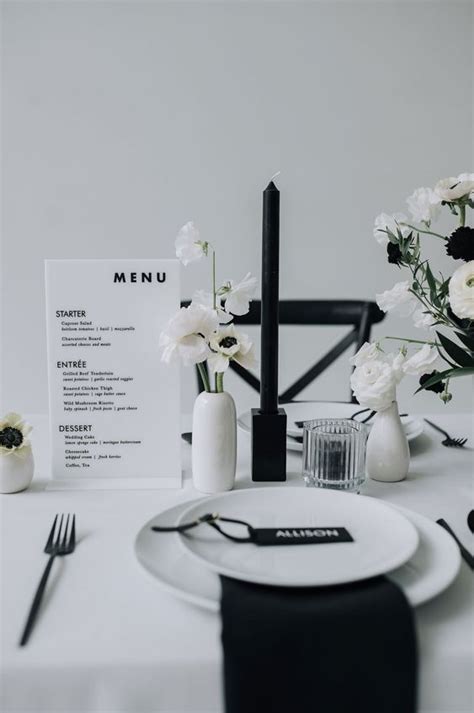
[448, 441]
[61, 541]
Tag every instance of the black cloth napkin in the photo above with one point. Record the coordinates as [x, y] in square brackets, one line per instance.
[343, 649]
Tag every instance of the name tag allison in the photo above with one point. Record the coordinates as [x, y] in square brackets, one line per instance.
[300, 536]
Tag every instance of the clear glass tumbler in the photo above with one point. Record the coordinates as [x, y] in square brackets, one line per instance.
[334, 453]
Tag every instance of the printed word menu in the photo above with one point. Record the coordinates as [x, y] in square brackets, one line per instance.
[114, 406]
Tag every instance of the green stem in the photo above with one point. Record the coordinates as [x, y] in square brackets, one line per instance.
[462, 215]
[220, 382]
[214, 295]
[427, 232]
[413, 341]
[204, 378]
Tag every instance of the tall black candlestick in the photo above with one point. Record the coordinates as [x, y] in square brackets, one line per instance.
[269, 421]
[270, 299]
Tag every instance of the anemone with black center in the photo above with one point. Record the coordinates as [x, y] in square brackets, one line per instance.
[11, 437]
[228, 342]
[460, 244]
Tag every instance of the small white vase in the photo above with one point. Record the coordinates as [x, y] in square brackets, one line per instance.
[388, 454]
[214, 451]
[16, 471]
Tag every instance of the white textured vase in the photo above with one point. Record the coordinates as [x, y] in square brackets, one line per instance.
[16, 471]
[214, 442]
[388, 454]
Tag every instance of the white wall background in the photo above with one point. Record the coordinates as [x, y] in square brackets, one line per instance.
[122, 120]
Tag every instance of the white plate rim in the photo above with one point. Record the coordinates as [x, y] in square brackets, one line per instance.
[395, 563]
[415, 598]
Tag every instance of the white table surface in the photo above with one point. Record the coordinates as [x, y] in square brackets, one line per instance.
[109, 640]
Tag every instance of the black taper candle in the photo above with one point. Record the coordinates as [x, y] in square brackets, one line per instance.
[270, 299]
[269, 421]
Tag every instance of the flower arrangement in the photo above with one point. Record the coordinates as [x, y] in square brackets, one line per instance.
[440, 305]
[14, 432]
[204, 332]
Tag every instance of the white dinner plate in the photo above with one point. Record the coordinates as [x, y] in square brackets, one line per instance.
[429, 572]
[383, 538]
[309, 410]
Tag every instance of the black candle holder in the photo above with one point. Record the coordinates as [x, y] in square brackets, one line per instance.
[268, 446]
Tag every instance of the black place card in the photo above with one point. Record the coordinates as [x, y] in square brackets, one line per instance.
[299, 535]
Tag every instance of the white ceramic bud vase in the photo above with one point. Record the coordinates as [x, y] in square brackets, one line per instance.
[16, 471]
[388, 454]
[214, 451]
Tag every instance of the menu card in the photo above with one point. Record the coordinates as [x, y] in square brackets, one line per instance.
[114, 406]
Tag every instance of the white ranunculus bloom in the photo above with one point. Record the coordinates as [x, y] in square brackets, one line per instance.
[14, 432]
[451, 189]
[423, 319]
[228, 344]
[399, 299]
[367, 352]
[424, 205]
[239, 295]
[188, 244]
[205, 298]
[373, 384]
[392, 223]
[461, 291]
[422, 362]
[187, 334]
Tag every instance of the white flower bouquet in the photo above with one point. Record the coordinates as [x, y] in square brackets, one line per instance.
[442, 305]
[203, 331]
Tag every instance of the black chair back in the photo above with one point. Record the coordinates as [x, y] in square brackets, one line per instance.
[357, 314]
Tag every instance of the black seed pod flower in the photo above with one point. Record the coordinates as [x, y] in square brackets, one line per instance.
[438, 388]
[460, 245]
[11, 437]
[394, 253]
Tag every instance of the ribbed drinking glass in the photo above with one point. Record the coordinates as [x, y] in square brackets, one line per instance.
[334, 453]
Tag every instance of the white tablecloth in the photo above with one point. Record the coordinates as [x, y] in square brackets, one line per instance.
[109, 640]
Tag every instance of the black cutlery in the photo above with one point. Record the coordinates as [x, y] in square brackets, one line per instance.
[465, 554]
[61, 541]
[470, 521]
[448, 441]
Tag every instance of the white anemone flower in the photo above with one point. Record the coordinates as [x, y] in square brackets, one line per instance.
[188, 244]
[187, 334]
[238, 295]
[451, 189]
[228, 344]
[398, 300]
[393, 223]
[422, 361]
[424, 205]
[14, 432]
[202, 297]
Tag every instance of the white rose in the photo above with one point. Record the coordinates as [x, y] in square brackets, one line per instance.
[423, 319]
[228, 344]
[186, 335]
[461, 291]
[238, 295]
[365, 354]
[373, 384]
[451, 189]
[188, 244]
[422, 362]
[424, 205]
[392, 223]
[399, 299]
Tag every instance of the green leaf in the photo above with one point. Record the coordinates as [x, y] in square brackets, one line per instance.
[467, 340]
[432, 285]
[448, 374]
[456, 352]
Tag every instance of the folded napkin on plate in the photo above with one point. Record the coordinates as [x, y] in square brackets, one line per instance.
[318, 650]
